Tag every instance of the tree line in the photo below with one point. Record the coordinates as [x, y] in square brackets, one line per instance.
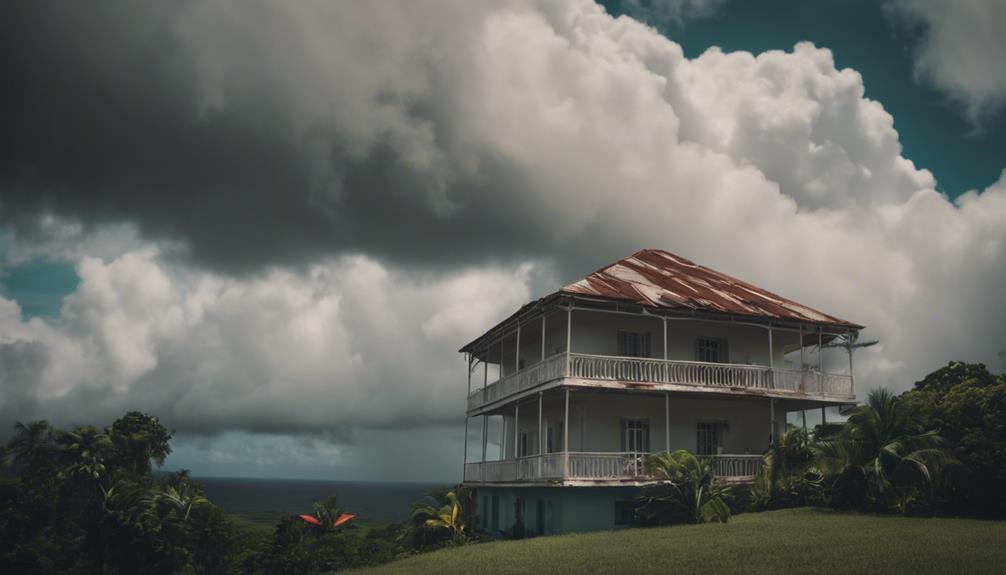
[87, 500]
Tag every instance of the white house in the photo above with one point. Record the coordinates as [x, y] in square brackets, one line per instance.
[651, 353]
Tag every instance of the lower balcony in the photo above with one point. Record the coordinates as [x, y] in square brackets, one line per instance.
[577, 467]
[636, 370]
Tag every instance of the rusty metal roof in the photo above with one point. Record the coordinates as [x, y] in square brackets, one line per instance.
[657, 278]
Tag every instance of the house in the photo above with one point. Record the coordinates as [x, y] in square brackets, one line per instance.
[651, 353]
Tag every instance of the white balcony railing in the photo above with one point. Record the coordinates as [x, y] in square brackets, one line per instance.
[661, 371]
[596, 467]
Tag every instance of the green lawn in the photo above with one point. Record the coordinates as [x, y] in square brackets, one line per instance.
[775, 543]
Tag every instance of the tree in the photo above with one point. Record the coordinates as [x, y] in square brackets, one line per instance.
[787, 479]
[968, 405]
[449, 517]
[884, 459]
[139, 438]
[687, 490]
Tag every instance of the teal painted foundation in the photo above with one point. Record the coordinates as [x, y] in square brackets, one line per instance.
[552, 510]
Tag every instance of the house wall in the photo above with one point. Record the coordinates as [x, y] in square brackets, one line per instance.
[596, 421]
[566, 509]
[597, 333]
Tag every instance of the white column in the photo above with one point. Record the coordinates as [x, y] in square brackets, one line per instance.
[569, 335]
[565, 438]
[771, 349]
[541, 438]
[464, 464]
[820, 350]
[849, 347]
[771, 416]
[485, 378]
[664, 319]
[516, 429]
[485, 439]
[543, 336]
[667, 422]
[802, 385]
[824, 418]
[516, 361]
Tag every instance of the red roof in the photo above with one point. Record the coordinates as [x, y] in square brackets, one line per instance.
[657, 278]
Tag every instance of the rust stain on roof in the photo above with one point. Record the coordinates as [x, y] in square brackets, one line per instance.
[657, 278]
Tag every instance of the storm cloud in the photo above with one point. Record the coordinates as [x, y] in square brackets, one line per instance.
[287, 217]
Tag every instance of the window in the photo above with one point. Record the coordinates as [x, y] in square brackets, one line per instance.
[632, 344]
[711, 349]
[523, 443]
[495, 518]
[553, 439]
[625, 512]
[708, 438]
[636, 435]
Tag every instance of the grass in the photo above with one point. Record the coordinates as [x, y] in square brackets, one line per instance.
[789, 541]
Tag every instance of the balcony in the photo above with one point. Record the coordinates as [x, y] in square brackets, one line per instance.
[602, 368]
[596, 467]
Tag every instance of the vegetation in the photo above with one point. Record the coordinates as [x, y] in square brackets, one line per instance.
[86, 500]
[788, 541]
[688, 492]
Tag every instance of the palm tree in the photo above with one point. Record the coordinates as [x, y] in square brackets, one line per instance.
[83, 452]
[177, 500]
[29, 444]
[885, 450]
[687, 490]
[449, 517]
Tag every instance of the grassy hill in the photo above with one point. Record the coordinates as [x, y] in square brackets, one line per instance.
[790, 541]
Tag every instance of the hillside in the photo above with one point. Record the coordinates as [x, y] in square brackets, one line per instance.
[790, 541]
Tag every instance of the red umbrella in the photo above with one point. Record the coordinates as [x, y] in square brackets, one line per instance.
[311, 519]
[344, 518]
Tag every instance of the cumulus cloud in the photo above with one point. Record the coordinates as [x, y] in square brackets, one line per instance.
[961, 49]
[347, 343]
[387, 180]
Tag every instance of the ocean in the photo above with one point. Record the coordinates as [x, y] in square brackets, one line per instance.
[375, 500]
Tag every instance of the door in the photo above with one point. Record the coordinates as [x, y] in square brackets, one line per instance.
[708, 438]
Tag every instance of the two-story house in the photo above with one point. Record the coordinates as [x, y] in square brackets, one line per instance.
[651, 353]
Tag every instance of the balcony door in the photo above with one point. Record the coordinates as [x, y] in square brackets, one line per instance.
[707, 434]
[636, 435]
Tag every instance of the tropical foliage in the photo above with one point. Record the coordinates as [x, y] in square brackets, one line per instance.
[686, 493]
[445, 517]
[885, 459]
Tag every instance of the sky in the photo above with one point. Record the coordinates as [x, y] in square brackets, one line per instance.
[274, 224]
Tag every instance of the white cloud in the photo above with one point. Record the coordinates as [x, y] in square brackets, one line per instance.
[961, 50]
[580, 138]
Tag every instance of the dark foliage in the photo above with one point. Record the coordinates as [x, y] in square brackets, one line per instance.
[967, 404]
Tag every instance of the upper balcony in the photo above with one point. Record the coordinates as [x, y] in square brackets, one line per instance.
[661, 374]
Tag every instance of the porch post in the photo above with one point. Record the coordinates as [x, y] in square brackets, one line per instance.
[824, 418]
[516, 429]
[667, 421]
[516, 361]
[541, 439]
[802, 384]
[465, 462]
[820, 350]
[569, 335]
[771, 359]
[664, 319]
[771, 416]
[485, 439]
[771, 352]
[803, 413]
[543, 336]
[485, 377]
[565, 438]
[852, 378]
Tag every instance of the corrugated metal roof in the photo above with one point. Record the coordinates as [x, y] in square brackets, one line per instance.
[657, 278]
